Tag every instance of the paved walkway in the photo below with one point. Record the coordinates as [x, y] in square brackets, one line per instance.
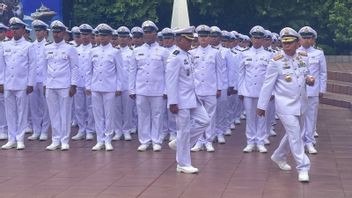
[226, 173]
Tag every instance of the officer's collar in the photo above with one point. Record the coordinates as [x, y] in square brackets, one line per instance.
[106, 46]
[217, 46]
[42, 41]
[151, 45]
[206, 47]
[86, 46]
[258, 49]
[60, 43]
[310, 48]
[290, 57]
[19, 40]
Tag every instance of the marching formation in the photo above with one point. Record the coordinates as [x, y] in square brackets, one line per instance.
[191, 86]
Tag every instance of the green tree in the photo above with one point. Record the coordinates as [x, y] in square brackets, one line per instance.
[340, 22]
[332, 19]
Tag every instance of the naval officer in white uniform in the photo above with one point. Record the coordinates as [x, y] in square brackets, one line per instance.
[287, 76]
[191, 116]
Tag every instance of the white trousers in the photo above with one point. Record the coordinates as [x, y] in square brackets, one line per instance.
[310, 120]
[221, 118]
[270, 117]
[134, 115]
[292, 141]
[16, 109]
[150, 118]
[3, 122]
[231, 109]
[209, 103]
[60, 109]
[169, 123]
[239, 107]
[83, 111]
[103, 111]
[190, 124]
[123, 113]
[39, 110]
[255, 125]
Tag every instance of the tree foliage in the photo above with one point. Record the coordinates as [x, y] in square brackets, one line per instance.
[332, 19]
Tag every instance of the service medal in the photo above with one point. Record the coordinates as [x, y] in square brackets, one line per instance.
[288, 78]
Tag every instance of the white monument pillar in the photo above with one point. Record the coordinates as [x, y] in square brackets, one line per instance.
[180, 18]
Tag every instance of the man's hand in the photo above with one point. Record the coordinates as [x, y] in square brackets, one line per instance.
[44, 90]
[88, 92]
[310, 80]
[321, 95]
[1, 88]
[218, 93]
[260, 112]
[118, 93]
[241, 97]
[174, 108]
[164, 96]
[72, 91]
[29, 89]
[272, 98]
[133, 96]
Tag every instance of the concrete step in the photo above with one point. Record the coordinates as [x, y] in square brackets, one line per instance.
[336, 99]
[340, 75]
[340, 87]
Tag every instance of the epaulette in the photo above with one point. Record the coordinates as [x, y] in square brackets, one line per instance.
[278, 57]
[117, 47]
[94, 46]
[318, 48]
[303, 53]
[131, 48]
[69, 43]
[269, 50]
[233, 51]
[214, 47]
[48, 43]
[176, 52]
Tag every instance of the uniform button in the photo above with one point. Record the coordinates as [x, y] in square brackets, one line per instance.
[255, 83]
[147, 72]
[255, 75]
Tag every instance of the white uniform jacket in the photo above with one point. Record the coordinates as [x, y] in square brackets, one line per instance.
[318, 69]
[147, 71]
[126, 53]
[104, 74]
[286, 76]
[252, 71]
[180, 80]
[206, 70]
[84, 62]
[17, 64]
[61, 65]
[39, 48]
